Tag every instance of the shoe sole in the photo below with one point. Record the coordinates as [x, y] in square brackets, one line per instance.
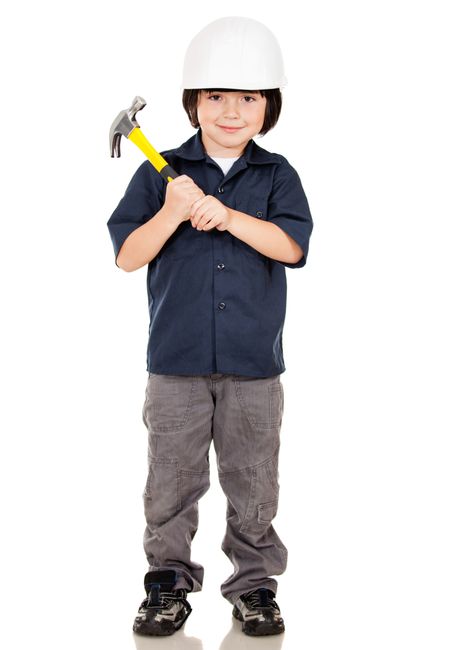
[257, 628]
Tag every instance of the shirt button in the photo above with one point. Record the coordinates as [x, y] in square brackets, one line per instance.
[220, 190]
[259, 214]
[221, 305]
[221, 266]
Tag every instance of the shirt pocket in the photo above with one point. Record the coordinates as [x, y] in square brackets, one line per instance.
[255, 205]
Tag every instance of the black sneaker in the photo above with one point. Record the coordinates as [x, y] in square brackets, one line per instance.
[165, 609]
[259, 613]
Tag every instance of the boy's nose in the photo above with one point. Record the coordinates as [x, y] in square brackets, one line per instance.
[231, 110]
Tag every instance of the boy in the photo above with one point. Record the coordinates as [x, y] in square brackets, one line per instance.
[216, 240]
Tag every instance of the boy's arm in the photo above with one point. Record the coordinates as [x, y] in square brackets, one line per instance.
[285, 235]
[148, 214]
[131, 223]
[145, 242]
[267, 238]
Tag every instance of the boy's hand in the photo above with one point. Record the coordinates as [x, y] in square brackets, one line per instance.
[180, 195]
[208, 212]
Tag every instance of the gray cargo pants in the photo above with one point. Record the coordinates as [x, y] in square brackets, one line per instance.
[242, 416]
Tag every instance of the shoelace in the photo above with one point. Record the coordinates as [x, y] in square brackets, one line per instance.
[260, 598]
[157, 598]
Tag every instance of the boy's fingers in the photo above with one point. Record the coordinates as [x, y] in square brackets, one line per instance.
[211, 224]
[204, 217]
[196, 204]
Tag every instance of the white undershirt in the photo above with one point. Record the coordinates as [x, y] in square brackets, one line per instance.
[225, 163]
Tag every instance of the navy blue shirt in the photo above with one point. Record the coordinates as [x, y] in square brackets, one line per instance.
[217, 305]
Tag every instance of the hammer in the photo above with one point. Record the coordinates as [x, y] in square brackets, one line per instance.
[125, 124]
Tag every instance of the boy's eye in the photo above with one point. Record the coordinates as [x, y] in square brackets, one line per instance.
[252, 99]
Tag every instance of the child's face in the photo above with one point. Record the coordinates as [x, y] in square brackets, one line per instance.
[242, 110]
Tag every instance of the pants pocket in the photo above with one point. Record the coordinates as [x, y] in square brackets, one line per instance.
[262, 400]
[144, 408]
[267, 511]
[168, 402]
[252, 494]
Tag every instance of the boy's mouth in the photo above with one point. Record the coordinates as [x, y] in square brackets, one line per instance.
[230, 129]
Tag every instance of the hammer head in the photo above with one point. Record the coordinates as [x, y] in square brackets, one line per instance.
[124, 123]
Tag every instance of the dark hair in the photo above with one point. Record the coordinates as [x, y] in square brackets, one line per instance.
[273, 106]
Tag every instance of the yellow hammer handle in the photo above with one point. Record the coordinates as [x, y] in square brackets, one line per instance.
[155, 158]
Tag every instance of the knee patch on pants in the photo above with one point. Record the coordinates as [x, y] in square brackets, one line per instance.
[162, 490]
[170, 488]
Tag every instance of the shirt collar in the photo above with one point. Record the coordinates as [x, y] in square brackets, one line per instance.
[193, 149]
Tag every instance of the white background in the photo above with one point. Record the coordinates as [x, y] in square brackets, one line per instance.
[364, 459]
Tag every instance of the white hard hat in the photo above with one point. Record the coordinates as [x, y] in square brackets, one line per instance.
[234, 52]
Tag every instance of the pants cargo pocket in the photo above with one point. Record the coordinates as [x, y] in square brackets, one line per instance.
[263, 499]
[252, 494]
[267, 511]
[162, 490]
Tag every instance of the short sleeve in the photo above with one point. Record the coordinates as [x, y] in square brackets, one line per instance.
[143, 198]
[288, 208]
